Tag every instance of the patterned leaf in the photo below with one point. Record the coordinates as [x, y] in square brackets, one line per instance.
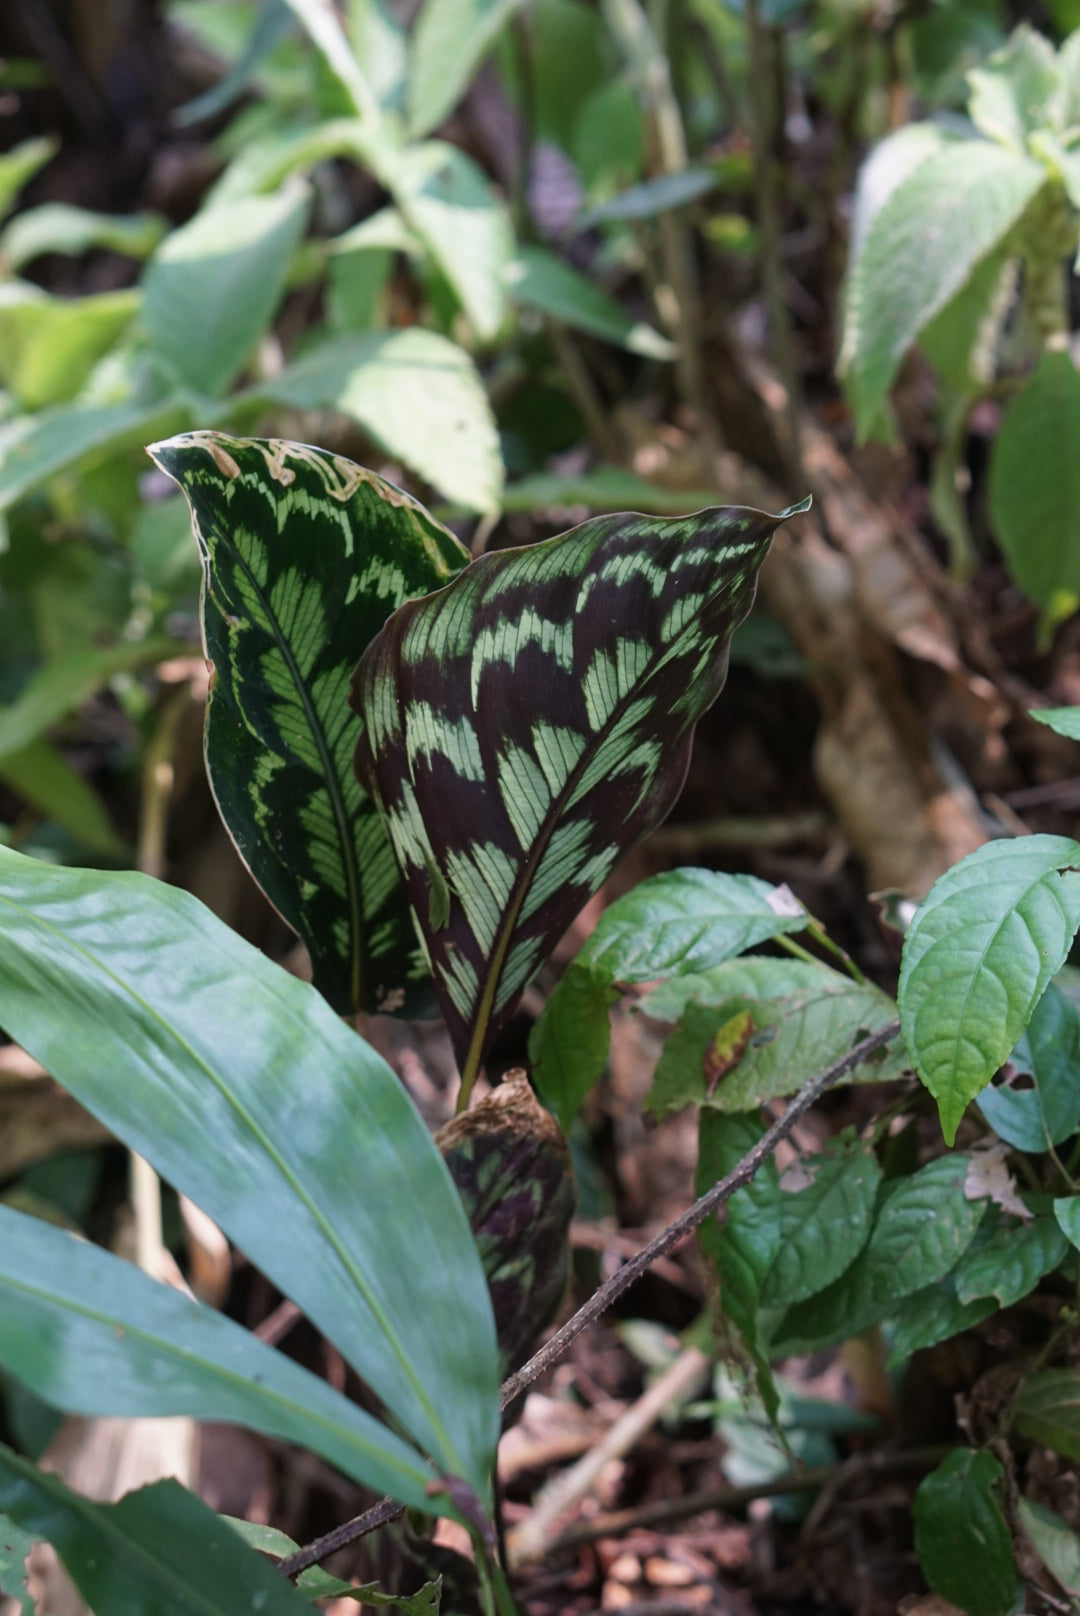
[304, 555]
[528, 725]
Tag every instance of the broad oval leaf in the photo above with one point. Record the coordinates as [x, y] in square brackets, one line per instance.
[1011, 1262]
[245, 1091]
[961, 1535]
[943, 217]
[305, 555]
[158, 1552]
[213, 285]
[1035, 485]
[529, 724]
[977, 958]
[825, 1224]
[91, 1334]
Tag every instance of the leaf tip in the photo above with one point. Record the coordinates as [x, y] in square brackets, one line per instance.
[797, 510]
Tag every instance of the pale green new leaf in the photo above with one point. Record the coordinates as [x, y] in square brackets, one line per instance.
[246, 1092]
[58, 227]
[977, 958]
[158, 1552]
[91, 1334]
[1035, 486]
[536, 279]
[449, 40]
[414, 392]
[49, 345]
[922, 246]
[1063, 720]
[1018, 90]
[213, 286]
[20, 164]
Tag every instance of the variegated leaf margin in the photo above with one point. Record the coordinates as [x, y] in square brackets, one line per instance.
[304, 556]
[528, 725]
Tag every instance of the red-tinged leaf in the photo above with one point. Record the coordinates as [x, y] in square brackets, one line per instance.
[528, 725]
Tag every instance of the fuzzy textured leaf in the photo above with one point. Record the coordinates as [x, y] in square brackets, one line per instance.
[805, 1016]
[923, 1227]
[1035, 485]
[824, 1226]
[91, 1334]
[961, 1535]
[158, 1552]
[681, 921]
[246, 1092]
[305, 554]
[922, 246]
[977, 958]
[528, 725]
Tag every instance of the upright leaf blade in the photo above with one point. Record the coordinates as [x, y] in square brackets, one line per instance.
[450, 37]
[1035, 485]
[245, 1091]
[529, 724]
[158, 1552]
[305, 555]
[977, 959]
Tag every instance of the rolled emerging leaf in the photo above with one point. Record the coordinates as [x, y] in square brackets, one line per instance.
[527, 726]
[305, 554]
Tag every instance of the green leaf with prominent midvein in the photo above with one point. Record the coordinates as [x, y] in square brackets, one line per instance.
[305, 555]
[158, 1552]
[91, 1334]
[246, 1092]
[961, 1534]
[674, 924]
[528, 725]
[823, 1225]
[977, 958]
[1009, 1265]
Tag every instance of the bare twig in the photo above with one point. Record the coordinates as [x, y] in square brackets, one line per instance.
[387, 1510]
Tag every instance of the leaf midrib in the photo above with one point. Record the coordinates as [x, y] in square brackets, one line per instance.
[358, 964]
[321, 1221]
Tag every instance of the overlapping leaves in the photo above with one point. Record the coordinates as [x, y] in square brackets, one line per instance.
[528, 725]
[304, 555]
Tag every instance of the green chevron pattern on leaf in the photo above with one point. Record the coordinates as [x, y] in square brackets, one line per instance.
[304, 556]
[527, 726]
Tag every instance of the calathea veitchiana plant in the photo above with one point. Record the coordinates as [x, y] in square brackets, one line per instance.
[522, 726]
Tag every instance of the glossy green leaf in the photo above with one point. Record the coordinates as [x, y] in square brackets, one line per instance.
[450, 39]
[49, 345]
[415, 393]
[247, 1093]
[531, 723]
[34, 448]
[931, 1315]
[212, 287]
[961, 1535]
[1011, 1262]
[537, 279]
[20, 164]
[742, 1248]
[805, 1016]
[671, 924]
[923, 1227]
[1035, 485]
[823, 1225]
[921, 247]
[15, 1545]
[1018, 90]
[1048, 1411]
[91, 1334]
[58, 227]
[1055, 1542]
[65, 683]
[1063, 720]
[606, 488]
[977, 958]
[45, 780]
[1047, 1060]
[158, 1552]
[305, 555]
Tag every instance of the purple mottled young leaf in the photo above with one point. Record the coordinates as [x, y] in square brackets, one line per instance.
[528, 725]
